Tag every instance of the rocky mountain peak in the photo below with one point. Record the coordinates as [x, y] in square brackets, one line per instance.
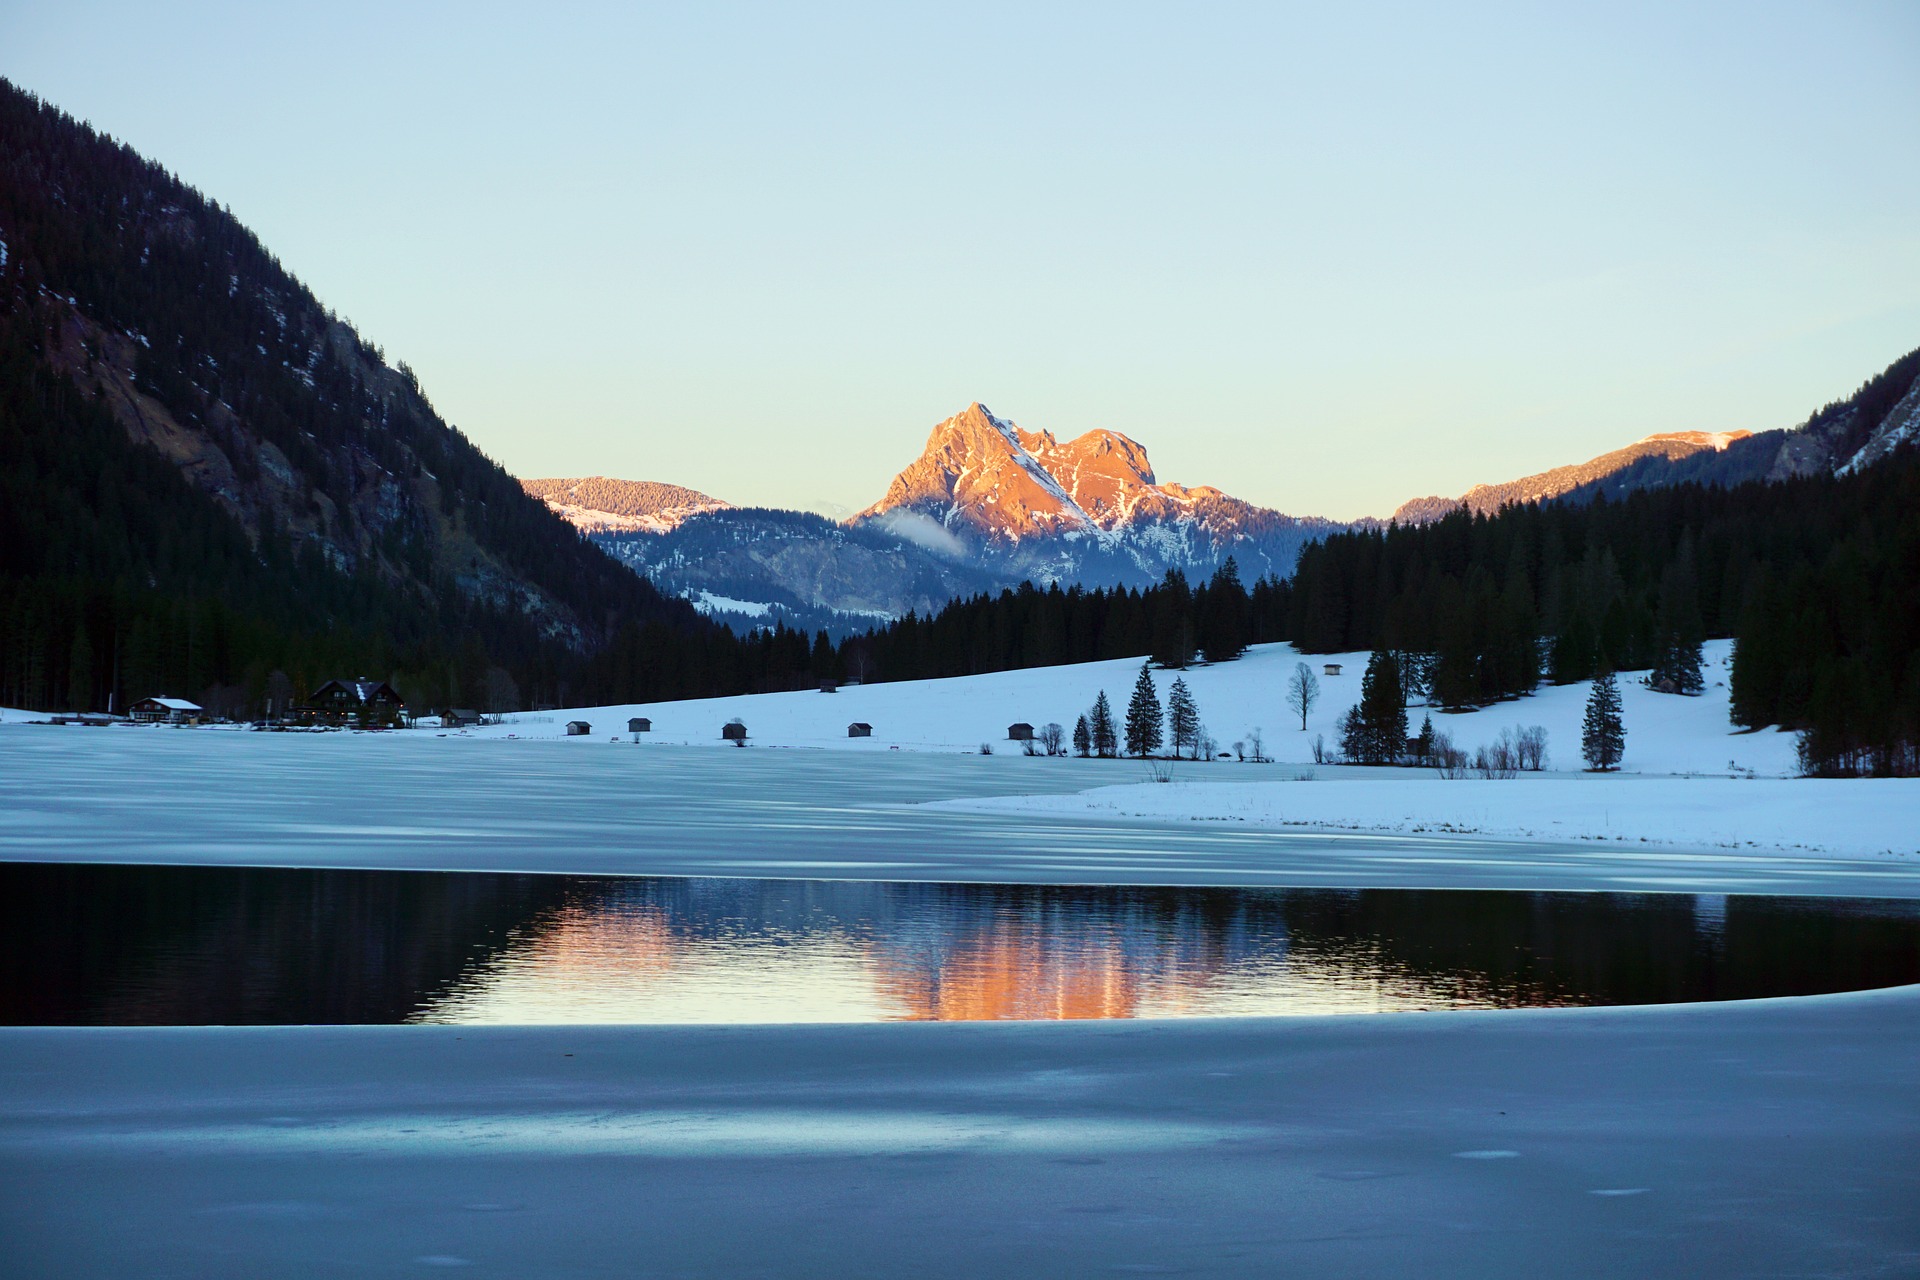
[977, 475]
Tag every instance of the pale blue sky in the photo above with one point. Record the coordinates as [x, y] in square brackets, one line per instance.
[1326, 257]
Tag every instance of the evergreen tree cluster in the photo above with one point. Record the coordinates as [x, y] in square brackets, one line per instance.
[1039, 627]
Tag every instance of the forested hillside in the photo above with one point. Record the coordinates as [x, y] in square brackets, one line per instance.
[212, 485]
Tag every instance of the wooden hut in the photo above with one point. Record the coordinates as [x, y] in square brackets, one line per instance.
[164, 711]
[1332, 668]
[639, 725]
[1021, 732]
[578, 728]
[735, 731]
[859, 729]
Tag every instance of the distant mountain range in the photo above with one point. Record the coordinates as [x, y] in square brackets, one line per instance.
[988, 505]
[1488, 498]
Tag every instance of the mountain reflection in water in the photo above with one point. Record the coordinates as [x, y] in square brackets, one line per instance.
[211, 945]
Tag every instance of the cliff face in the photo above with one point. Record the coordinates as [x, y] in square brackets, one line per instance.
[977, 475]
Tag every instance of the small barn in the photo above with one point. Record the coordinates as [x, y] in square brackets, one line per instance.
[578, 728]
[458, 717]
[158, 710]
[859, 729]
[639, 725]
[735, 731]
[1332, 668]
[1021, 732]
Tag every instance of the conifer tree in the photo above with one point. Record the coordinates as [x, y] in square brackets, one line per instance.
[1082, 738]
[1144, 730]
[1183, 719]
[1603, 739]
[1375, 732]
[1106, 739]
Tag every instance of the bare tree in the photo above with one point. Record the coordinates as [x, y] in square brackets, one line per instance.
[503, 694]
[1257, 743]
[1530, 744]
[1450, 761]
[1054, 738]
[279, 695]
[1303, 691]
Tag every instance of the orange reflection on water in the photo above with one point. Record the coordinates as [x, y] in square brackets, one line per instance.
[1011, 974]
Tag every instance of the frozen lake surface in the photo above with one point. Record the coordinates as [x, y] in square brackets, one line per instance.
[417, 801]
[1738, 1138]
[131, 945]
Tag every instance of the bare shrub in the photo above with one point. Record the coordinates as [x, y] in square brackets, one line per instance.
[1320, 753]
[1499, 758]
[1530, 747]
[1449, 760]
[1054, 738]
[986, 748]
[1160, 770]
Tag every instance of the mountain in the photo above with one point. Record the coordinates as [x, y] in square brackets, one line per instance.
[1841, 438]
[1089, 510]
[596, 504]
[985, 507]
[212, 486]
[754, 567]
[1489, 498]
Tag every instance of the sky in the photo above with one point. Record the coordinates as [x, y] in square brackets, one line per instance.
[1326, 258]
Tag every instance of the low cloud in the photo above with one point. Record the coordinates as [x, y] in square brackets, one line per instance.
[922, 531]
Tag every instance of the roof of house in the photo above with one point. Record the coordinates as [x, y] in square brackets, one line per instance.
[174, 704]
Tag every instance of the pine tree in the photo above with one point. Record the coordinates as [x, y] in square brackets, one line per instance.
[1183, 718]
[1603, 739]
[1376, 732]
[1423, 745]
[1144, 731]
[1082, 738]
[1106, 740]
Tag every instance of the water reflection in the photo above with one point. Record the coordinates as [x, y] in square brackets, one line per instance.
[147, 945]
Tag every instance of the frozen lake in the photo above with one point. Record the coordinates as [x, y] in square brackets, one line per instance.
[131, 945]
[416, 801]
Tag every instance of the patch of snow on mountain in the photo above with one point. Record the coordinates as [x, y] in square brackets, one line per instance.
[707, 602]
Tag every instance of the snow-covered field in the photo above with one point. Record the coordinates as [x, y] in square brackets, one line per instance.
[1848, 818]
[1665, 734]
[805, 799]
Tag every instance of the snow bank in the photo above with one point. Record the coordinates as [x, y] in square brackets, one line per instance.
[1849, 818]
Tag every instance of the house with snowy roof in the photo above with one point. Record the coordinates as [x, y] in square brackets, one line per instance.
[164, 710]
